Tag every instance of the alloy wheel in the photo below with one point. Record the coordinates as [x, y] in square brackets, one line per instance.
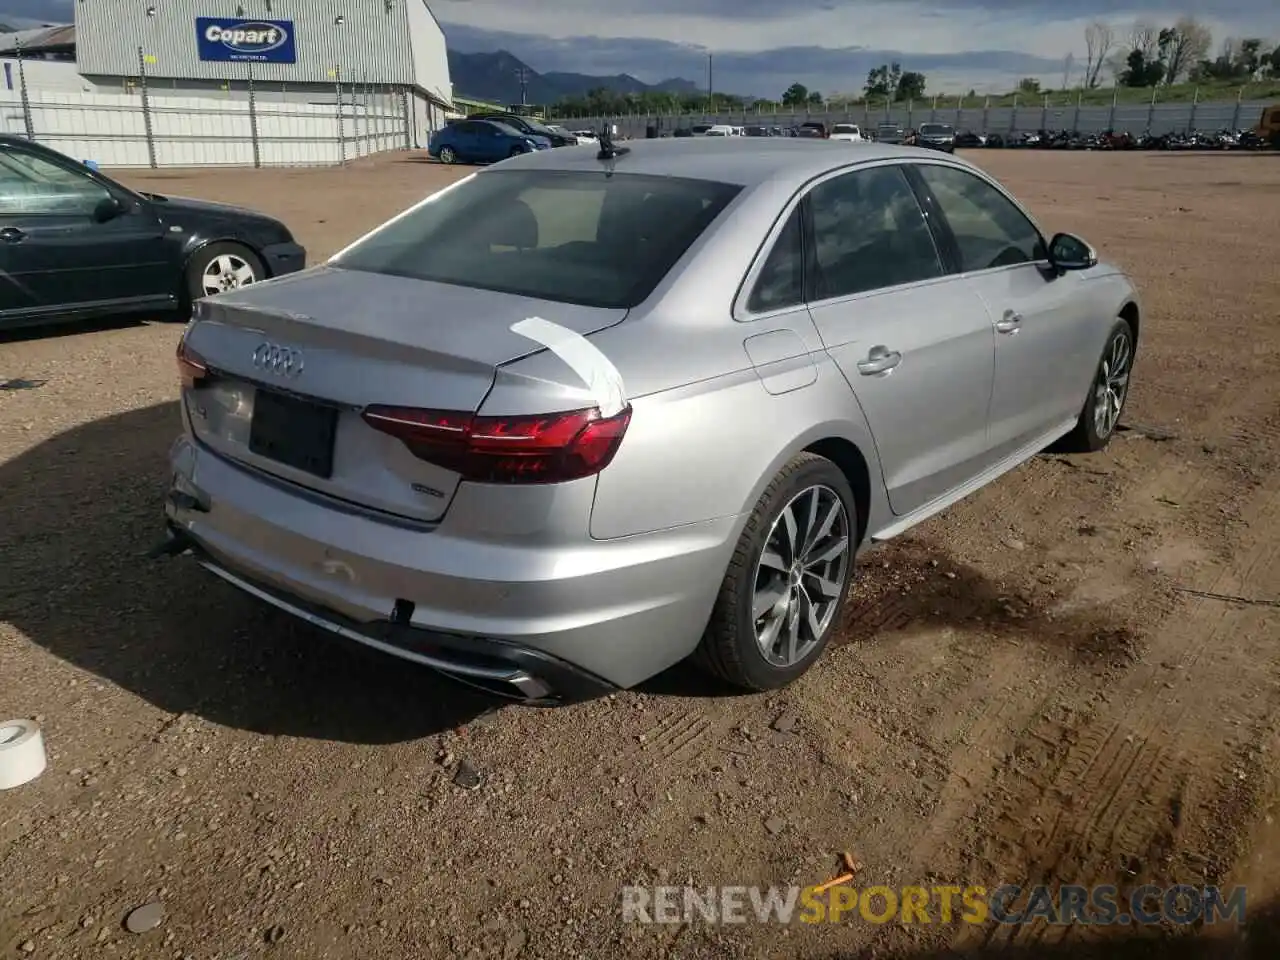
[1112, 386]
[226, 272]
[801, 576]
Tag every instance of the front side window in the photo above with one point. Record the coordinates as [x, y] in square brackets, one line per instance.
[869, 233]
[32, 185]
[585, 237]
[781, 280]
[990, 230]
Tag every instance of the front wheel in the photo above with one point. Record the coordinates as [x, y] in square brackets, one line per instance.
[221, 267]
[1105, 402]
[448, 155]
[787, 582]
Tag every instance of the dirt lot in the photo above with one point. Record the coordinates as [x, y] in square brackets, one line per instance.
[1049, 683]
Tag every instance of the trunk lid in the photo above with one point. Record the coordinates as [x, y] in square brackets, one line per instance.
[325, 343]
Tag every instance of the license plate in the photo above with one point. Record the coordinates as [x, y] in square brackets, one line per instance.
[296, 433]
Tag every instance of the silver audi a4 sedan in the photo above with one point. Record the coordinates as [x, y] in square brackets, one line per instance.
[578, 417]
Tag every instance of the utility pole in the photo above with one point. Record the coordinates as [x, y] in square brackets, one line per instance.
[711, 95]
[524, 88]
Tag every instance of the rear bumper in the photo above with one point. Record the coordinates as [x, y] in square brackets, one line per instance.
[282, 258]
[506, 669]
[574, 618]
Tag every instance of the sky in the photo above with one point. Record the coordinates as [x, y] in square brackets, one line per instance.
[759, 47]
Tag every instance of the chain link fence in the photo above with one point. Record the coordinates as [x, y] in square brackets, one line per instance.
[1029, 116]
[146, 126]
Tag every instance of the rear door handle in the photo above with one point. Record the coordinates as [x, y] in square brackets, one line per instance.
[879, 360]
[11, 235]
[1010, 323]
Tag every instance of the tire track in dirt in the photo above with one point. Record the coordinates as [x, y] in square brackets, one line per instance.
[1121, 790]
[1035, 764]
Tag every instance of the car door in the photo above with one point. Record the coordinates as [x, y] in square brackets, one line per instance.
[915, 344]
[59, 254]
[495, 142]
[1043, 365]
[470, 142]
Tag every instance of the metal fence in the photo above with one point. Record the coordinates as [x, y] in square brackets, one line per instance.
[1136, 118]
[159, 128]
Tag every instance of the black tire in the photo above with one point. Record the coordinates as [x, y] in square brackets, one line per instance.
[516, 152]
[448, 155]
[1087, 436]
[728, 649]
[202, 258]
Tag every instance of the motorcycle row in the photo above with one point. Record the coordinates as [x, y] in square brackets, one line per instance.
[1116, 140]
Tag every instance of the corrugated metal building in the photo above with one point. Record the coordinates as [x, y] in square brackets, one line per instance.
[292, 49]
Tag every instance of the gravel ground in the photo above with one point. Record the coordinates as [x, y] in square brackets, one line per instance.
[1026, 689]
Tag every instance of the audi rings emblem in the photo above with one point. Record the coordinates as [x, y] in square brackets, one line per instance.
[281, 361]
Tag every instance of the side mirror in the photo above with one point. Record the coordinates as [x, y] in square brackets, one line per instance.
[1069, 252]
[108, 208]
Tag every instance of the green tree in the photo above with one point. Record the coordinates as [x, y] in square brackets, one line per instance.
[1140, 71]
[815, 98]
[1030, 86]
[910, 86]
[882, 81]
[795, 95]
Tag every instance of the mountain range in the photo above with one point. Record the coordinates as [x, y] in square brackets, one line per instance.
[497, 76]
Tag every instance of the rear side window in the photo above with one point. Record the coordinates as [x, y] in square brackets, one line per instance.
[781, 280]
[869, 233]
[584, 237]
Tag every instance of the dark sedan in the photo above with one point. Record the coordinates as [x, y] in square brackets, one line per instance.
[75, 244]
[937, 136]
[529, 128]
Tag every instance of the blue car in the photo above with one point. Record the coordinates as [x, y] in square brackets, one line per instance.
[481, 141]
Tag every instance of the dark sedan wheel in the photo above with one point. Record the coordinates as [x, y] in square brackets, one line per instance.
[221, 267]
[788, 579]
[1102, 408]
[448, 155]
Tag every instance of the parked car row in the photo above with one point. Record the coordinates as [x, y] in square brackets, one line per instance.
[490, 137]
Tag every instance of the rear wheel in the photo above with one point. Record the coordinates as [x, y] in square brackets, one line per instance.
[787, 582]
[448, 155]
[1102, 408]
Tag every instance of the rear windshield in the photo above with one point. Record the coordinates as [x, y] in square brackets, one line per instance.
[935, 128]
[844, 128]
[570, 236]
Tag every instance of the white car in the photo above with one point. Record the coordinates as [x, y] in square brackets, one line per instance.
[720, 130]
[849, 132]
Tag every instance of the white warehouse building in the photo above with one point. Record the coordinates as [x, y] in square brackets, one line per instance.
[289, 49]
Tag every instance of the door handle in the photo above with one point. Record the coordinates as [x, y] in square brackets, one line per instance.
[11, 235]
[879, 360]
[1010, 323]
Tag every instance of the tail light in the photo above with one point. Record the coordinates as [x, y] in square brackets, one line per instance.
[191, 367]
[549, 448]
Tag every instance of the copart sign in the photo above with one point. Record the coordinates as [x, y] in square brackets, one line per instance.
[258, 41]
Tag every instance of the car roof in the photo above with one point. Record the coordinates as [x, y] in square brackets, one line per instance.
[787, 159]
